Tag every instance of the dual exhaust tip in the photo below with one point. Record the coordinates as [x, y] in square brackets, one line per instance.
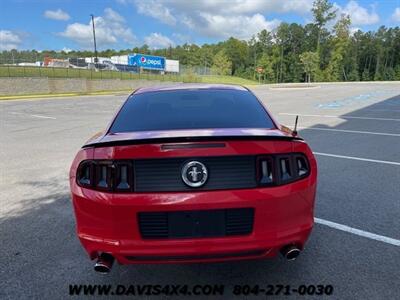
[290, 252]
[105, 261]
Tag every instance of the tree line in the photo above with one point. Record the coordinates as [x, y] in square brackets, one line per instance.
[292, 52]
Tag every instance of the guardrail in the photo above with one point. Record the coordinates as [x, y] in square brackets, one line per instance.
[54, 72]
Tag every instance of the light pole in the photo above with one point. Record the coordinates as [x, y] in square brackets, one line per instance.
[94, 40]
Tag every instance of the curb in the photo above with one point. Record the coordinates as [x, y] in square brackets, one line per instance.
[44, 96]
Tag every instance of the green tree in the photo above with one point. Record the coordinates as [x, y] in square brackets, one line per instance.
[335, 70]
[221, 64]
[310, 64]
[266, 62]
[264, 39]
[236, 51]
[397, 72]
[323, 12]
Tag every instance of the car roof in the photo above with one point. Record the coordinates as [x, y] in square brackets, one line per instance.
[190, 86]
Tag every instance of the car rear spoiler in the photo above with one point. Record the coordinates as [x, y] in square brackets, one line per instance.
[160, 140]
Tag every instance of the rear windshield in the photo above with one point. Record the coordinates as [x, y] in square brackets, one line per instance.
[191, 109]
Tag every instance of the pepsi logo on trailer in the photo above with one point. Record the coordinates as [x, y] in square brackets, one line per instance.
[147, 61]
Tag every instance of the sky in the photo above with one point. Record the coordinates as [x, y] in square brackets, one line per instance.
[122, 24]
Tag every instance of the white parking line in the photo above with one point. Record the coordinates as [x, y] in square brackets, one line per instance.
[35, 116]
[340, 117]
[350, 131]
[43, 117]
[358, 232]
[359, 158]
[294, 88]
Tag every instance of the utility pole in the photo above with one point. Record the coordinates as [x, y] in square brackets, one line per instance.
[94, 40]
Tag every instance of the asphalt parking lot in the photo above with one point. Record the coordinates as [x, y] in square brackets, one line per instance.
[353, 128]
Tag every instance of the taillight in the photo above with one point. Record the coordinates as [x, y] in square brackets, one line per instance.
[281, 169]
[106, 175]
[103, 175]
[85, 174]
[265, 170]
[301, 165]
[285, 168]
[123, 176]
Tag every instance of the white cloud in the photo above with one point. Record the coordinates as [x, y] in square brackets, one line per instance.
[66, 50]
[396, 15]
[157, 41]
[221, 19]
[178, 7]
[242, 27]
[157, 10]
[9, 40]
[359, 15]
[262, 6]
[113, 16]
[58, 15]
[110, 29]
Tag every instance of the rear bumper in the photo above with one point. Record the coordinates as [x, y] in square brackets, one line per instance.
[108, 223]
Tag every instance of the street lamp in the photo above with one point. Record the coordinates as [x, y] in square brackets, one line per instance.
[94, 40]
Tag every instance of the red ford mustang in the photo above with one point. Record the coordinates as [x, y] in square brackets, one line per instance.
[193, 173]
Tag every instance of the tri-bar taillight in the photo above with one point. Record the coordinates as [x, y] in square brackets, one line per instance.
[118, 175]
[281, 168]
[106, 175]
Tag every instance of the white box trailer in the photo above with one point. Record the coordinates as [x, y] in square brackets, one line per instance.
[100, 59]
[172, 66]
[120, 59]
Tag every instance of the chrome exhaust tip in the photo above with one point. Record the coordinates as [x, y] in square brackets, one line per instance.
[290, 252]
[104, 263]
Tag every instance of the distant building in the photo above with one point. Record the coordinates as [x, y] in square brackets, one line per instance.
[100, 60]
[55, 62]
[137, 61]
